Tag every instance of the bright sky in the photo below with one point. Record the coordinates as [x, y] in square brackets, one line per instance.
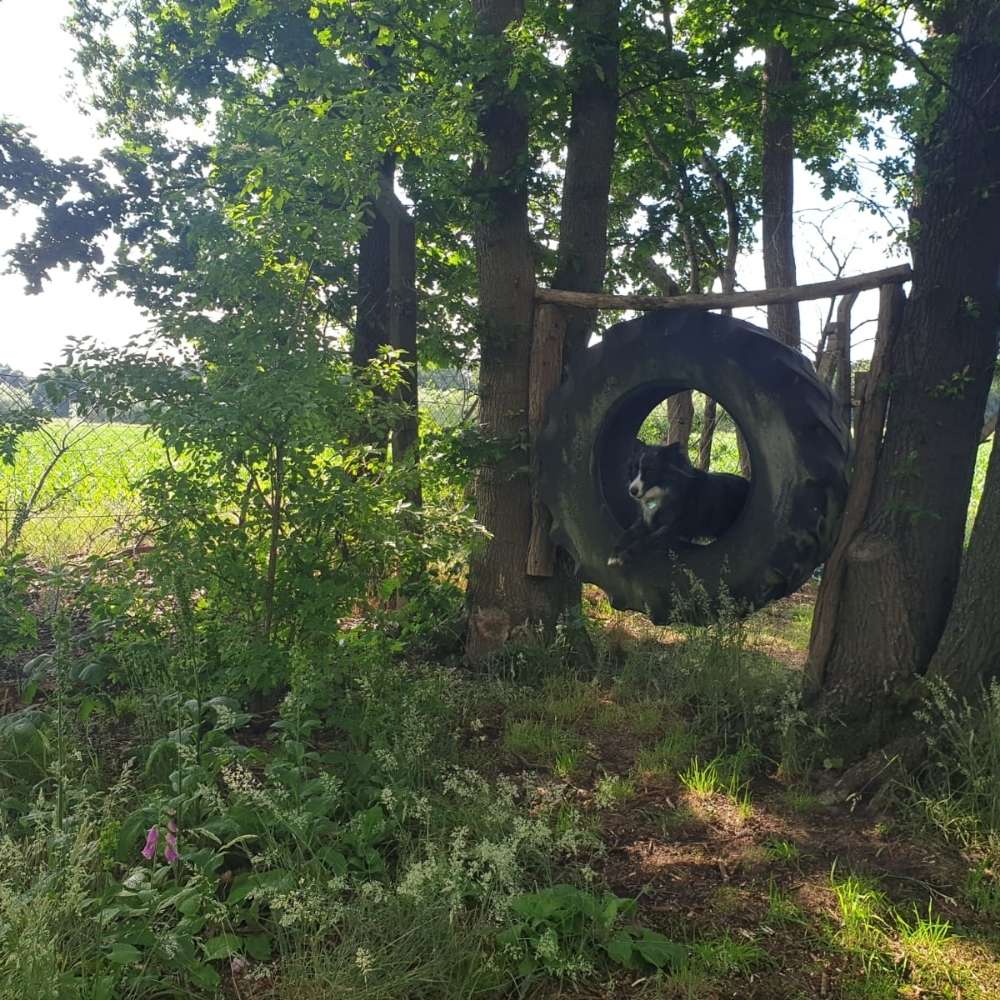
[35, 60]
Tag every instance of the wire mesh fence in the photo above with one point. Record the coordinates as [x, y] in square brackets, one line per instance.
[70, 479]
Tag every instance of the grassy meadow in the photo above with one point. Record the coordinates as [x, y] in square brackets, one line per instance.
[88, 498]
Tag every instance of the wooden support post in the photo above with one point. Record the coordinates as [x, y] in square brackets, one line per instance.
[826, 366]
[868, 444]
[843, 381]
[548, 336]
[861, 380]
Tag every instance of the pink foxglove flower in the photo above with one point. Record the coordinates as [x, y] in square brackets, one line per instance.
[152, 839]
[170, 854]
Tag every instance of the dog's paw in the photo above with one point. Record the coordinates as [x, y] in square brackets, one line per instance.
[616, 561]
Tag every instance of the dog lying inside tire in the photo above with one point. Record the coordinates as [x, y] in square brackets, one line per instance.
[798, 446]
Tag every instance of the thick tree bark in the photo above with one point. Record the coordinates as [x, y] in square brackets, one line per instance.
[503, 600]
[969, 651]
[777, 191]
[583, 219]
[402, 329]
[903, 567]
[680, 419]
[850, 545]
[728, 280]
[371, 329]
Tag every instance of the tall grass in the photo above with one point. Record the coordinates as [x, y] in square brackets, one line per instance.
[89, 474]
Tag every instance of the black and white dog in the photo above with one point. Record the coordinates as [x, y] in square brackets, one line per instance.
[677, 502]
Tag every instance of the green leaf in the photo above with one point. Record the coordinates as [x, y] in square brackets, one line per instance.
[258, 946]
[188, 902]
[221, 946]
[660, 952]
[334, 860]
[619, 949]
[124, 954]
[203, 975]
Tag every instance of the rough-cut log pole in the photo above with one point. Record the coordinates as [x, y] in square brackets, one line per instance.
[546, 370]
[860, 394]
[826, 365]
[734, 300]
[843, 381]
[868, 445]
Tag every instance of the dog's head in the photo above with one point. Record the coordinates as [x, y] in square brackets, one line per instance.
[659, 473]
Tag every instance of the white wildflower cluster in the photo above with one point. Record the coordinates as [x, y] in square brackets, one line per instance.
[489, 867]
[417, 807]
[313, 907]
[387, 759]
[211, 797]
[333, 787]
[416, 732]
[373, 892]
[225, 717]
[365, 963]
[13, 864]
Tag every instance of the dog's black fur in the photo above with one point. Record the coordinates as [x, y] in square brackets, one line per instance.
[677, 502]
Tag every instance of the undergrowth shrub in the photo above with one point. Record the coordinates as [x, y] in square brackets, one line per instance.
[958, 790]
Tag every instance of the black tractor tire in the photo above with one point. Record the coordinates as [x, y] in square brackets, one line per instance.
[799, 453]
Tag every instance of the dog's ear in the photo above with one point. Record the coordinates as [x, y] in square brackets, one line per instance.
[677, 457]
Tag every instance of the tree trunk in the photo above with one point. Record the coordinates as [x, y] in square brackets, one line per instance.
[583, 219]
[680, 419]
[402, 330]
[583, 222]
[902, 568]
[371, 329]
[504, 602]
[969, 651]
[709, 418]
[777, 191]
[728, 281]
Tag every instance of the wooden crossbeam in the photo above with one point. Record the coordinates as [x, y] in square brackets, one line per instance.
[729, 300]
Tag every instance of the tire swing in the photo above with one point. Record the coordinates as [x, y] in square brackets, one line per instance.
[797, 440]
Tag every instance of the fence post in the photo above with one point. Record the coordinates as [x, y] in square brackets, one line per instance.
[548, 334]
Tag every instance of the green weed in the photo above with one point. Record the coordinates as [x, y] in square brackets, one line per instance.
[539, 742]
[702, 779]
[861, 906]
[612, 790]
[783, 851]
[667, 756]
[781, 909]
[726, 956]
[981, 889]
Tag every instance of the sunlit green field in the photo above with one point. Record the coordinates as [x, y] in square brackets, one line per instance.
[90, 493]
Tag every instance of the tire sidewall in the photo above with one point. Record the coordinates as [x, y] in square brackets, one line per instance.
[789, 422]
